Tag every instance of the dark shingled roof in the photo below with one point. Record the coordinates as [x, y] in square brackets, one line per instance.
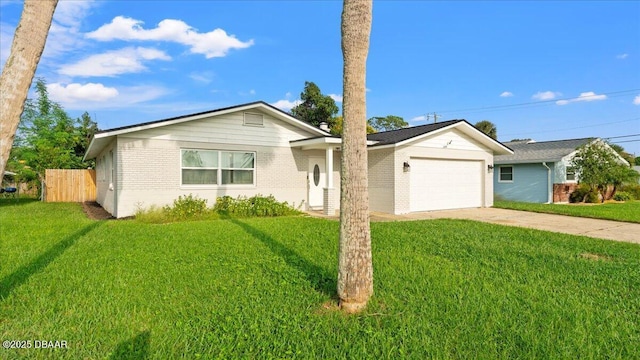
[396, 136]
[526, 152]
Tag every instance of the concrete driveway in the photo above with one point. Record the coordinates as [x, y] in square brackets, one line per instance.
[602, 229]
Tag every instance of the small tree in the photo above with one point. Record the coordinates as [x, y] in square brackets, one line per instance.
[48, 138]
[599, 166]
[18, 71]
[488, 128]
[623, 154]
[315, 107]
[389, 122]
[336, 128]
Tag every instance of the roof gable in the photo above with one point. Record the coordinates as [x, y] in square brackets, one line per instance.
[104, 137]
[408, 135]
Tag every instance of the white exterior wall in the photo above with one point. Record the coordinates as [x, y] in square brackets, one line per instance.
[560, 169]
[381, 180]
[451, 144]
[150, 170]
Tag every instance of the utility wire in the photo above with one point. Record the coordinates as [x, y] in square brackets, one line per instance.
[625, 141]
[535, 103]
[622, 136]
[572, 128]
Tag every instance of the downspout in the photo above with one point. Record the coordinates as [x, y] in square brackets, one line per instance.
[549, 188]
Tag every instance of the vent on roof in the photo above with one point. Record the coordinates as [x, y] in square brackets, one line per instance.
[252, 119]
[531, 141]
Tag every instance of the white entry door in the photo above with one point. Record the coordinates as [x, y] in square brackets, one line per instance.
[317, 182]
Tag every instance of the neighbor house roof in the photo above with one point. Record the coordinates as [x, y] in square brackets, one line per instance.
[543, 151]
[104, 137]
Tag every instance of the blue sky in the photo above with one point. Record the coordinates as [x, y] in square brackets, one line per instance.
[543, 70]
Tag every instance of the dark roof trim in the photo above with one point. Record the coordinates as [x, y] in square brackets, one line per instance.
[195, 114]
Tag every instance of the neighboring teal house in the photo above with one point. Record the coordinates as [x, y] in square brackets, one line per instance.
[537, 172]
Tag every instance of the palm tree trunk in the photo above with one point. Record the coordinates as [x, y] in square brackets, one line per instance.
[17, 74]
[355, 272]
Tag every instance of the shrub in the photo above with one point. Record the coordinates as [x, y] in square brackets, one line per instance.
[186, 207]
[152, 215]
[622, 196]
[584, 194]
[191, 207]
[632, 189]
[258, 205]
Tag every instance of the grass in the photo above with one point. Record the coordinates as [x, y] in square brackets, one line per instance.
[264, 288]
[628, 211]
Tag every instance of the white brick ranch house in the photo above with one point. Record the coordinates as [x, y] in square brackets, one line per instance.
[256, 148]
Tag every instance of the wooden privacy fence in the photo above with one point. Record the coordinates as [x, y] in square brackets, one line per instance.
[63, 185]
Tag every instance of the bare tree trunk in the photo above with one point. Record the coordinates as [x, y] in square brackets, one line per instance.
[17, 74]
[355, 272]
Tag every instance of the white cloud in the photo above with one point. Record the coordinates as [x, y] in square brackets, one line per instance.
[286, 105]
[545, 95]
[506, 94]
[92, 96]
[336, 97]
[419, 118]
[64, 34]
[636, 100]
[75, 92]
[622, 56]
[248, 93]
[112, 63]
[215, 43]
[367, 90]
[585, 96]
[202, 77]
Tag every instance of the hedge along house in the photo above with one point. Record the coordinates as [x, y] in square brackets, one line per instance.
[256, 148]
[539, 172]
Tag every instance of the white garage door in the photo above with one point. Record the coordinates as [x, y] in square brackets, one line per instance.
[445, 184]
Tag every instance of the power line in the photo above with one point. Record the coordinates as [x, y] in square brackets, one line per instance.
[625, 141]
[623, 136]
[572, 128]
[535, 103]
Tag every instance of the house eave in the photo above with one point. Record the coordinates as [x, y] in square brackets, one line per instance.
[102, 138]
[525, 161]
[321, 143]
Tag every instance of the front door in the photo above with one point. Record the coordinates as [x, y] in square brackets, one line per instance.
[317, 182]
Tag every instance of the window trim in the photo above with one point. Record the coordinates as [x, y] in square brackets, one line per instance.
[219, 170]
[500, 174]
[101, 167]
[216, 168]
[566, 174]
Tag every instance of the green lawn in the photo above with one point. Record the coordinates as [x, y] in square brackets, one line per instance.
[628, 211]
[264, 288]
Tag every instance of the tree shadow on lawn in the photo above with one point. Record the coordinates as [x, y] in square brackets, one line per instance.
[23, 273]
[321, 279]
[136, 348]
